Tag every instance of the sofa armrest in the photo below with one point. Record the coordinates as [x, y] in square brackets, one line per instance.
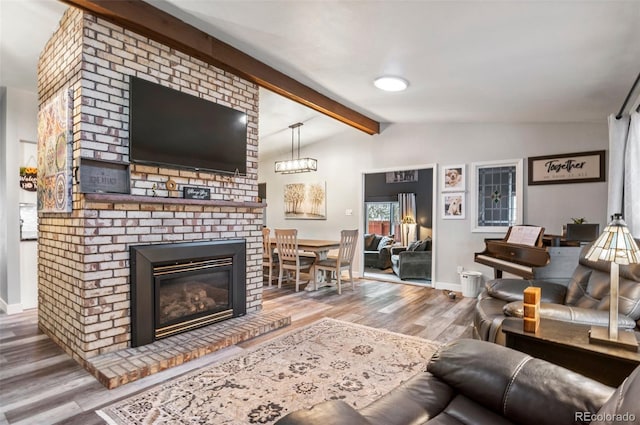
[385, 253]
[398, 249]
[414, 402]
[512, 290]
[623, 406]
[565, 313]
[332, 412]
[523, 389]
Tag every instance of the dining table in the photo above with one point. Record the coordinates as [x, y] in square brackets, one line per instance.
[319, 247]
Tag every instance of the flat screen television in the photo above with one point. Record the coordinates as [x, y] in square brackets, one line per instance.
[175, 129]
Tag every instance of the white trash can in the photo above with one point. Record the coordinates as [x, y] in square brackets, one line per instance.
[471, 282]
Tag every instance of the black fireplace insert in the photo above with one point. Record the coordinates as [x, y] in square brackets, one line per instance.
[179, 287]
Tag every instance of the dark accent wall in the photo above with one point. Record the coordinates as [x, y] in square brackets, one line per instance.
[376, 189]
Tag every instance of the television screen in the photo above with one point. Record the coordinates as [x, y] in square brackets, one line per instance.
[168, 127]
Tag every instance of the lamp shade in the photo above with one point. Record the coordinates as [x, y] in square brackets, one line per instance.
[615, 244]
[408, 220]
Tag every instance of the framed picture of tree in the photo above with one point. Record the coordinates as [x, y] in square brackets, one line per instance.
[305, 201]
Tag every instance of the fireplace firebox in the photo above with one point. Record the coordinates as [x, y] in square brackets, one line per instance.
[183, 286]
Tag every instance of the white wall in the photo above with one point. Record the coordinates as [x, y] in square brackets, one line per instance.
[342, 159]
[18, 270]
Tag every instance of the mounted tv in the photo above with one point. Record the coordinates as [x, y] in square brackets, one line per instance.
[175, 129]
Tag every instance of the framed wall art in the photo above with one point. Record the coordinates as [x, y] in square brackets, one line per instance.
[581, 167]
[403, 176]
[54, 154]
[453, 205]
[305, 201]
[453, 178]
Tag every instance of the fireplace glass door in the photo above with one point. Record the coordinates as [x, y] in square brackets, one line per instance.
[192, 295]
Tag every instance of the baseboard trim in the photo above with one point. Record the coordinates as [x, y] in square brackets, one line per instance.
[457, 287]
[10, 308]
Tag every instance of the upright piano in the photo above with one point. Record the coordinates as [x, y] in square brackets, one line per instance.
[519, 253]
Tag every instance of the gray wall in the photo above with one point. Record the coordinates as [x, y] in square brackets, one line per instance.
[403, 146]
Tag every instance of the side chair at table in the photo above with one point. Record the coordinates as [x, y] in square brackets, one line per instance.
[344, 260]
[289, 257]
[269, 258]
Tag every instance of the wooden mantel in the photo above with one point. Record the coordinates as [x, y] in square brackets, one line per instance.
[149, 21]
[136, 199]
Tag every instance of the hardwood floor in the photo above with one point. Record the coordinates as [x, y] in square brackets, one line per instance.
[40, 384]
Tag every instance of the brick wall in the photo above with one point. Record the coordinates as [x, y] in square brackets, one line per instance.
[83, 256]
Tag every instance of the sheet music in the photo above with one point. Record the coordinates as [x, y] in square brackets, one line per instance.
[524, 235]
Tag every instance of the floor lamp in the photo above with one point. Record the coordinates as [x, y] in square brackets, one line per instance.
[615, 245]
[408, 227]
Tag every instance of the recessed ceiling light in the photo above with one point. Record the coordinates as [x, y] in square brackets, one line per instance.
[387, 83]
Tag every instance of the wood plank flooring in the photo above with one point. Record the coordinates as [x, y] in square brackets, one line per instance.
[40, 384]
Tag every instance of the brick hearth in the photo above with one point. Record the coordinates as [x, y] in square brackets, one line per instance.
[124, 366]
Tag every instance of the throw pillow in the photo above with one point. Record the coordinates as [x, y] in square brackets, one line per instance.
[368, 239]
[413, 246]
[422, 245]
[385, 241]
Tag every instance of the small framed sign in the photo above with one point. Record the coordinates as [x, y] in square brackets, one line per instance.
[99, 176]
[582, 167]
[191, 192]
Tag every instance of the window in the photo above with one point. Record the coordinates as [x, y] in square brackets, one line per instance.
[382, 218]
[497, 191]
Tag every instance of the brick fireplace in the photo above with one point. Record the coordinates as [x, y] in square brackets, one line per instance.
[84, 256]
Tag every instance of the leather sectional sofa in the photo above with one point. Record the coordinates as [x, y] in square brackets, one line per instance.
[476, 382]
[585, 300]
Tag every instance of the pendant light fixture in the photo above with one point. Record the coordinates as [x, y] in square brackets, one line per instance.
[296, 165]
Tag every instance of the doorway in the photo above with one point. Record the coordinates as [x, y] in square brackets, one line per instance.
[384, 212]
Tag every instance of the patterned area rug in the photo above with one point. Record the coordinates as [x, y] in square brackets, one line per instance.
[329, 359]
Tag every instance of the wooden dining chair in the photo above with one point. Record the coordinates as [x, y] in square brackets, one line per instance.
[269, 258]
[344, 260]
[289, 257]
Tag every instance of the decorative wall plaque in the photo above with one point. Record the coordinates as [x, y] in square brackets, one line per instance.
[582, 167]
[98, 176]
[191, 192]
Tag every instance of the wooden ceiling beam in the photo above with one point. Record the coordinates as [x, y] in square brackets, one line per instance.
[151, 22]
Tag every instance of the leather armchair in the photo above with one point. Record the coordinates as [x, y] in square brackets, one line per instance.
[585, 300]
[475, 382]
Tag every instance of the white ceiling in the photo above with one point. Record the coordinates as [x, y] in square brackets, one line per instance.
[467, 61]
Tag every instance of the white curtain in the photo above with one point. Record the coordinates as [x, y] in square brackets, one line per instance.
[624, 170]
[407, 203]
[632, 177]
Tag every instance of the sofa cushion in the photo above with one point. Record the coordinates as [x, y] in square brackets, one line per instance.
[566, 313]
[513, 289]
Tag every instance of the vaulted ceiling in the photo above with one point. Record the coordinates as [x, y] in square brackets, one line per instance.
[466, 61]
